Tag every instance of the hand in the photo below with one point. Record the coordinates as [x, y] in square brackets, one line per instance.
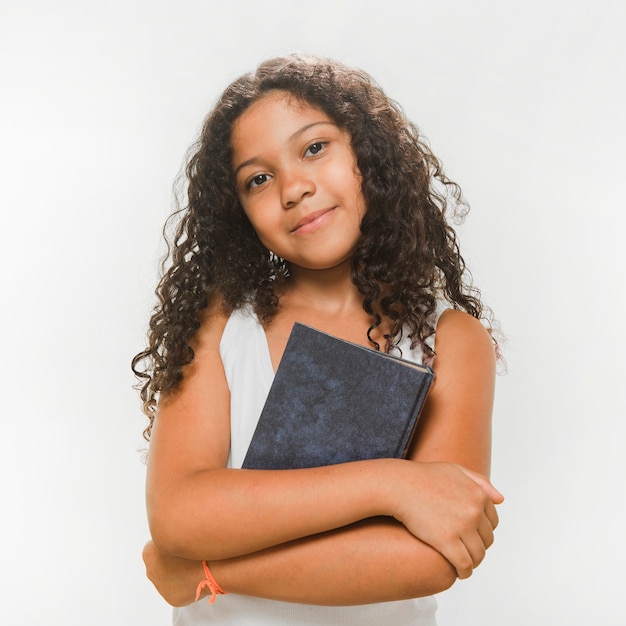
[451, 509]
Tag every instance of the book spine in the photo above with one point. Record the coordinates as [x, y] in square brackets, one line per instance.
[403, 448]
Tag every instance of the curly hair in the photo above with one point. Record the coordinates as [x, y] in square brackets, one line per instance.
[406, 260]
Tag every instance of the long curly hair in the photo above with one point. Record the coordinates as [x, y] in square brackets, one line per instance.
[407, 257]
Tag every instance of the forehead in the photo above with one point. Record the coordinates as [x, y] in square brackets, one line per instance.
[273, 118]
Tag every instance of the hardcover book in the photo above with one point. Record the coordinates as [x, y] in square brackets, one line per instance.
[333, 401]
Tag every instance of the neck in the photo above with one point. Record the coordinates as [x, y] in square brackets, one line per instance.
[329, 290]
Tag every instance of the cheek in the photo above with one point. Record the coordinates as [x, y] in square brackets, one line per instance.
[252, 212]
[359, 199]
[262, 224]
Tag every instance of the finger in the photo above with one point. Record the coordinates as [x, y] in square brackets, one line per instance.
[476, 548]
[495, 496]
[460, 558]
[492, 514]
[485, 532]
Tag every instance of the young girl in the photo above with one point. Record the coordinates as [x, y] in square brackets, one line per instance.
[311, 198]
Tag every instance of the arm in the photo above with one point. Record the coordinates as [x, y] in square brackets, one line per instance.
[372, 561]
[312, 503]
[199, 509]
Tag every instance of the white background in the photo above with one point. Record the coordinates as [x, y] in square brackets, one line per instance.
[524, 102]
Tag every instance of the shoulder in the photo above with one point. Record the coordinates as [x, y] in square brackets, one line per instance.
[465, 358]
[206, 350]
[459, 333]
[213, 322]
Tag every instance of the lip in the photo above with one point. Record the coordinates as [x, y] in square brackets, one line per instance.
[312, 221]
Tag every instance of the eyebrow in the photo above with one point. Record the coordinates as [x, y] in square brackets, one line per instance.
[298, 133]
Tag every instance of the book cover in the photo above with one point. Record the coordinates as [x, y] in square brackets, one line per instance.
[334, 401]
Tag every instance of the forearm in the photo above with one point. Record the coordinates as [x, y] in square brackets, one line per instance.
[372, 561]
[222, 513]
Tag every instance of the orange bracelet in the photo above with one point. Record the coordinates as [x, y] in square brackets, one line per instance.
[211, 583]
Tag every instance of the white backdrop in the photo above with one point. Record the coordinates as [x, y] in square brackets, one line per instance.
[524, 102]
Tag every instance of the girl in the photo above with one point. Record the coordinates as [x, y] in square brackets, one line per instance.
[311, 198]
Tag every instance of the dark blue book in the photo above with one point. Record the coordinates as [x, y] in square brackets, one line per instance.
[333, 401]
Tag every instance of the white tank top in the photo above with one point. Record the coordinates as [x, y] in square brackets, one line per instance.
[249, 372]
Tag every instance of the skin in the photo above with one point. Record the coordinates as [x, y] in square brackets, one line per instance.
[316, 535]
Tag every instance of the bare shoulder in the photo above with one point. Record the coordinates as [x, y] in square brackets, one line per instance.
[459, 333]
[205, 345]
[212, 323]
[458, 325]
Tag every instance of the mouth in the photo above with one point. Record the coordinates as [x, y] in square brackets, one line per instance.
[312, 221]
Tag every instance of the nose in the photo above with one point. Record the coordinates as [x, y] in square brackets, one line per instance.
[297, 184]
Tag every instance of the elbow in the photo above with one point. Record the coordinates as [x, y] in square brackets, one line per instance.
[176, 535]
[435, 575]
[440, 578]
[168, 540]
[163, 533]
[444, 578]
[164, 575]
[168, 527]
[175, 599]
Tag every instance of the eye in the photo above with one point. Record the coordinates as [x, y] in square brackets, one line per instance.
[257, 181]
[315, 148]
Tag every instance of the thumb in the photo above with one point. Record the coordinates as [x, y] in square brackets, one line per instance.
[485, 483]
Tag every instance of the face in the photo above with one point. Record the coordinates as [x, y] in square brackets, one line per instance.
[298, 181]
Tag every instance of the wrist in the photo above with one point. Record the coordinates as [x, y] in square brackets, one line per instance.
[209, 583]
[386, 485]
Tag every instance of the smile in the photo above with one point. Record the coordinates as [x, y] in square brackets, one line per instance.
[312, 221]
